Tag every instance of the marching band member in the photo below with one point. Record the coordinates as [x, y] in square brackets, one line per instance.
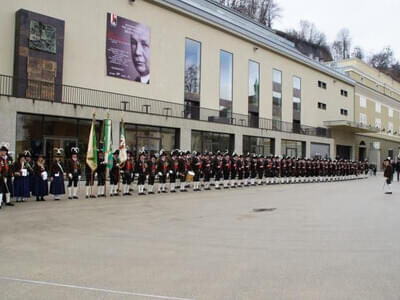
[240, 170]
[74, 173]
[101, 174]
[247, 169]
[174, 170]
[128, 168]
[234, 169]
[217, 169]
[163, 171]
[260, 169]
[142, 170]
[115, 174]
[207, 170]
[152, 174]
[40, 176]
[57, 187]
[30, 164]
[21, 179]
[196, 166]
[5, 170]
[183, 169]
[226, 170]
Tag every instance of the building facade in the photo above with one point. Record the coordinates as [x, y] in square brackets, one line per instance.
[377, 108]
[182, 73]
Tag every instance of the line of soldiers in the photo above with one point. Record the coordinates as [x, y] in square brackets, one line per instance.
[177, 169]
[224, 170]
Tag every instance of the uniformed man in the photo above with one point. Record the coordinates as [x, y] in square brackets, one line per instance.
[128, 172]
[173, 170]
[183, 169]
[163, 171]
[217, 169]
[197, 168]
[101, 174]
[74, 172]
[152, 166]
[115, 174]
[5, 169]
[260, 169]
[30, 166]
[247, 169]
[226, 170]
[57, 187]
[234, 169]
[207, 170]
[388, 174]
[142, 170]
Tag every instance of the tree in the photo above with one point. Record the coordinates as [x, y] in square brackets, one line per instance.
[263, 11]
[308, 32]
[383, 60]
[358, 52]
[341, 47]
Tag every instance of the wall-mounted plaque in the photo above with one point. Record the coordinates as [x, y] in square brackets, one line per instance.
[42, 37]
[38, 56]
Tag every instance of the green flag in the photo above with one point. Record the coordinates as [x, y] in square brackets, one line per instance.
[107, 146]
[91, 154]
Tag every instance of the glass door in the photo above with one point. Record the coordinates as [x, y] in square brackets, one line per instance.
[150, 144]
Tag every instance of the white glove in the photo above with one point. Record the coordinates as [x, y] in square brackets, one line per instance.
[79, 177]
[159, 174]
[70, 175]
[171, 172]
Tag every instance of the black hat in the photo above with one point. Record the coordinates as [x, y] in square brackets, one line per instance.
[27, 153]
[175, 153]
[74, 150]
[116, 152]
[58, 152]
[3, 148]
[187, 152]
[234, 154]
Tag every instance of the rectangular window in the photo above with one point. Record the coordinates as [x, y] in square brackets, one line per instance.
[390, 128]
[390, 112]
[192, 78]
[321, 105]
[258, 145]
[322, 84]
[377, 107]
[212, 141]
[254, 93]
[276, 99]
[225, 84]
[296, 103]
[363, 102]
[344, 112]
[363, 119]
[378, 123]
[343, 93]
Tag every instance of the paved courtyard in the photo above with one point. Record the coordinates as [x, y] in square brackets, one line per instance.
[322, 241]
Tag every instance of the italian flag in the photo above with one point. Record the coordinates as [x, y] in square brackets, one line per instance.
[91, 154]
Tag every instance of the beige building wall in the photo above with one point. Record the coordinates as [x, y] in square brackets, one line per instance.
[85, 61]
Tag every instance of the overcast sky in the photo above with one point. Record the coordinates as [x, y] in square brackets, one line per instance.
[372, 24]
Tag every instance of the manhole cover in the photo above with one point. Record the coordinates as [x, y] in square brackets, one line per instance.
[263, 209]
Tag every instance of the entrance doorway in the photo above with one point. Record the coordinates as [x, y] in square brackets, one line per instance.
[362, 151]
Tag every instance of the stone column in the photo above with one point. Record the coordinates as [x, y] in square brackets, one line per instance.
[185, 139]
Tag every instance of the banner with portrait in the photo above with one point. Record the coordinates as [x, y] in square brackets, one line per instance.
[128, 49]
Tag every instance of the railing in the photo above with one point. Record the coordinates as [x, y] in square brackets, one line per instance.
[39, 90]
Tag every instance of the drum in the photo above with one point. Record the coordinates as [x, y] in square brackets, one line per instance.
[190, 176]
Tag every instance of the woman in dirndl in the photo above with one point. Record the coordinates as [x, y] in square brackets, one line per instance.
[21, 180]
[57, 186]
[40, 181]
